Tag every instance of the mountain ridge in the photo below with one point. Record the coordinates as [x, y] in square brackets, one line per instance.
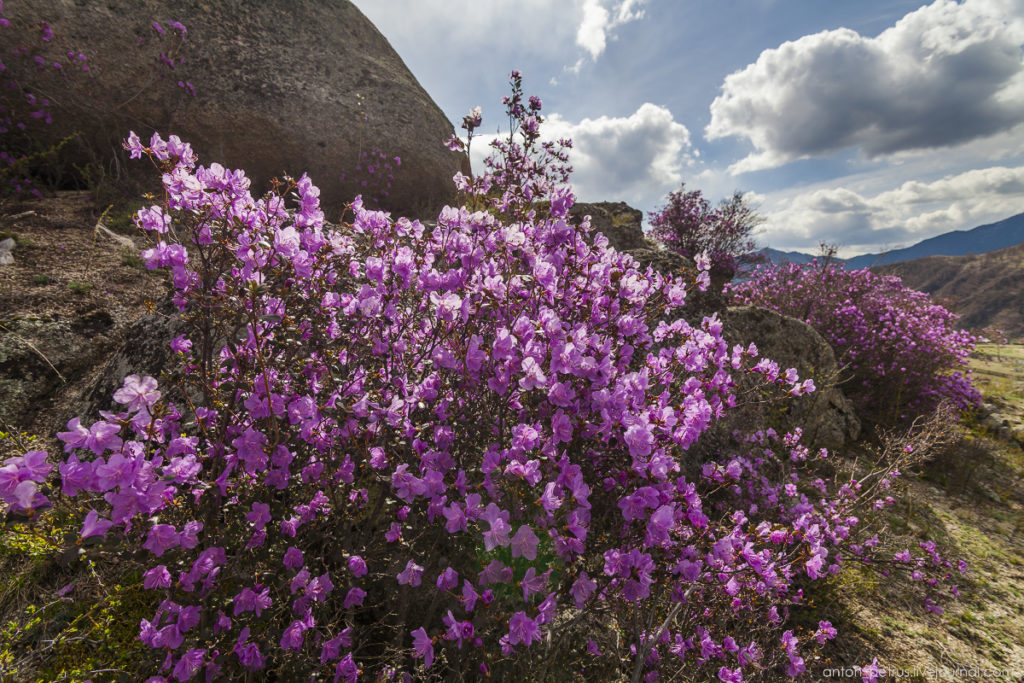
[979, 240]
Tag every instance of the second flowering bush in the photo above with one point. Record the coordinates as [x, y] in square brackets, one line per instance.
[901, 349]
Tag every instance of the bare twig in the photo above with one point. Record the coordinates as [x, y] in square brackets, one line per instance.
[16, 216]
[646, 645]
[32, 346]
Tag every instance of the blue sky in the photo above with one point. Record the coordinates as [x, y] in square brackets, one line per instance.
[869, 125]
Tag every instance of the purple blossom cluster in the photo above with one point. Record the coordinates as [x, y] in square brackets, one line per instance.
[522, 171]
[20, 480]
[689, 225]
[402, 449]
[901, 351]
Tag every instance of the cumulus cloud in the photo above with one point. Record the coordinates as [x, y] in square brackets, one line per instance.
[943, 75]
[898, 217]
[599, 20]
[637, 158]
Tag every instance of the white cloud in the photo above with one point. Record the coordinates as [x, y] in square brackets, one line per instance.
[637, 158]
[946, 74]
[465, 35]
[599, 20]
[539, 27]
[594, 25]
[913, 211]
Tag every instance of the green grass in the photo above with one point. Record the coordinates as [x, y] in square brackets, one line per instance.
[999, 373]
[19, 241]
[119, 218]
[61, 617]
[132, 260]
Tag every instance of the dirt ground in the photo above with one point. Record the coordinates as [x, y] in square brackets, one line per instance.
[64, 303]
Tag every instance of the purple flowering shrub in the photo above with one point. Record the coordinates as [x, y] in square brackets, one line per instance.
[689, 225]
[901, 350]
[446, 451]
[524, 174]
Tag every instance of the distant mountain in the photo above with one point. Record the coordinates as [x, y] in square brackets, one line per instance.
[1005, 233]
[984, 290]
[775, 256]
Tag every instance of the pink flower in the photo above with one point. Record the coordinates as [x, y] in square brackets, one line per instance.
[189, 664]
[137, 392]
[582, 589]
[469, 596]
[825, 632]
[354, 597]
[412, 574]
[133, 145]
[157, 577]
[523, 629]
[524, 543]
[497, 535]
[639, 440]
[259, 515]
[422, 647]
[248, 653]
[118, 471]
[181, 344]
[94, 525]
[248, 600]
[357, 566]
[293, 558]
[730, 675]
[161, 538]
[534, 583]
[292, 637]
[872, 672]
[448, 579]
[34, 464]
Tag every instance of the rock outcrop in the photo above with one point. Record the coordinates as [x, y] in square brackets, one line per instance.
[146, 351]
[281, 86]
[6, 246]
[826, 416]
[38, 355]
[618, 221]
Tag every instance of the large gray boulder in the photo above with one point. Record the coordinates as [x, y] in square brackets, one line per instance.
[281, 86]
[826, 416]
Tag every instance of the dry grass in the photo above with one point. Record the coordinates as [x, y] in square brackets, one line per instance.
[971, 495]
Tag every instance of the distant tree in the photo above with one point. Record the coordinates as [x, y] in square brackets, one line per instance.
[689, 224]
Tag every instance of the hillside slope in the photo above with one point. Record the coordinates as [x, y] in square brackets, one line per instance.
[985, 289]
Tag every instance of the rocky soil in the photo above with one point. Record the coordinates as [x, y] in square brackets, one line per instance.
[65, 303]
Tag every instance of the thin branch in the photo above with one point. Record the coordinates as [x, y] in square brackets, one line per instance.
[34, 348]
